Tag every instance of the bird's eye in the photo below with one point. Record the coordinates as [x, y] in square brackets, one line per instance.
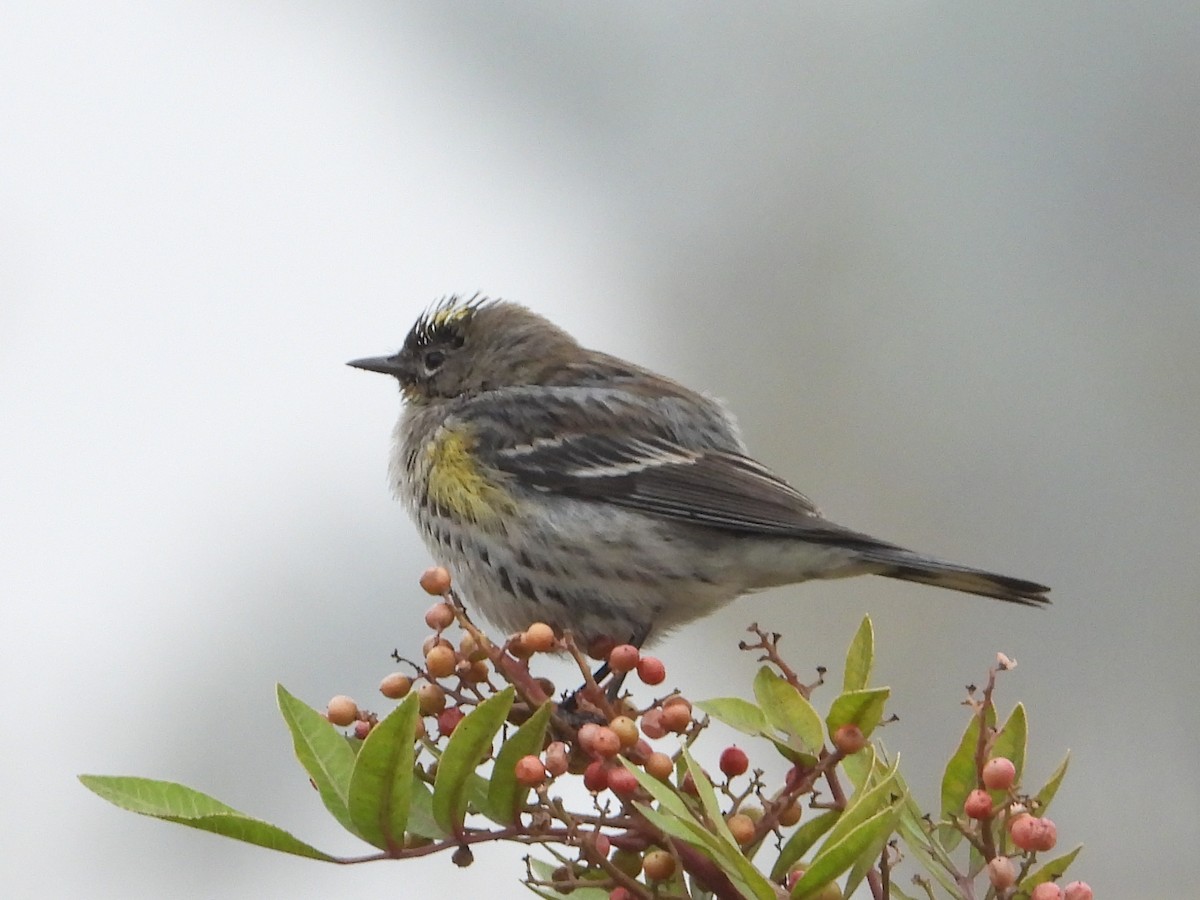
[434, 360]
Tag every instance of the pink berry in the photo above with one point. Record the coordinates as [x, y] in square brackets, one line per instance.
[1001, 873]
[341, 710]
[623, 658]
[1047, 890]
[439, 616]
[1078, 890]
[999, 774]
[734, 762]
[978, 805]
[435, 581]
[530, 771]
[1031, 833]
[556, 758]
[652, 723]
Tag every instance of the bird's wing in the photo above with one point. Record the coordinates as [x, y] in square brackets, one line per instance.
[654, 475]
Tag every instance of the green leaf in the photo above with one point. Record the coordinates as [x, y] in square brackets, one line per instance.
[663, 794]
[505, 796]
[860, 658]
[865, 804]
[545, 872]
[323, 752]
[899, 797]
[862, 708]
[708, 799]
[801, 841]
[921, 846]
[836, 856]
[381, 783]
[748, 880]
[787, 710]
[684, 828]
[420, 813]
[961, 777]
[177, 803]
[465, 750]
[859, 767]
[1055, 868]
[737, 713]
[1011, 742]
[913, 830]
[1043, 797]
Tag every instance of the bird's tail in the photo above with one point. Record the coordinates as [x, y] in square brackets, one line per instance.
[927, 570]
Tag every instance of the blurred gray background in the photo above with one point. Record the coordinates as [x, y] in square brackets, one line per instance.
[941, 259]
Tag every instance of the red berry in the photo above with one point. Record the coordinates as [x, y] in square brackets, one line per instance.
[849, 739]
[999, 774]
[651, 670]
[1047, 890]
[601, 842]
[436, 581]
[1077, 890]
[595, 776]
[530, 771]
[361, 729]
[978, 805]
[341, 710]
[620, 893]
[440, 616]
[622, 782]
[734, 762]
[448, 720]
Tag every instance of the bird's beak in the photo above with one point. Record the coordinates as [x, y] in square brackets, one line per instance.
[387, 365]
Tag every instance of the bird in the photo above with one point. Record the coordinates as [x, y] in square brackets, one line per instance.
[563, 485]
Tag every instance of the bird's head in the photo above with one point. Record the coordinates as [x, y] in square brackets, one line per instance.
[460, 347]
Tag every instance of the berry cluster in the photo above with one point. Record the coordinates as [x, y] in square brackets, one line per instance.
[477, 749]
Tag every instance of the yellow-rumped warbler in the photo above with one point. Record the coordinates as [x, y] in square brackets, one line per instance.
[563, 485]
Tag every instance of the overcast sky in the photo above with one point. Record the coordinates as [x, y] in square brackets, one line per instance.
[941, 260]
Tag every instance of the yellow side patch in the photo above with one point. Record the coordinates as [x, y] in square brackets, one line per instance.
[456, 482]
